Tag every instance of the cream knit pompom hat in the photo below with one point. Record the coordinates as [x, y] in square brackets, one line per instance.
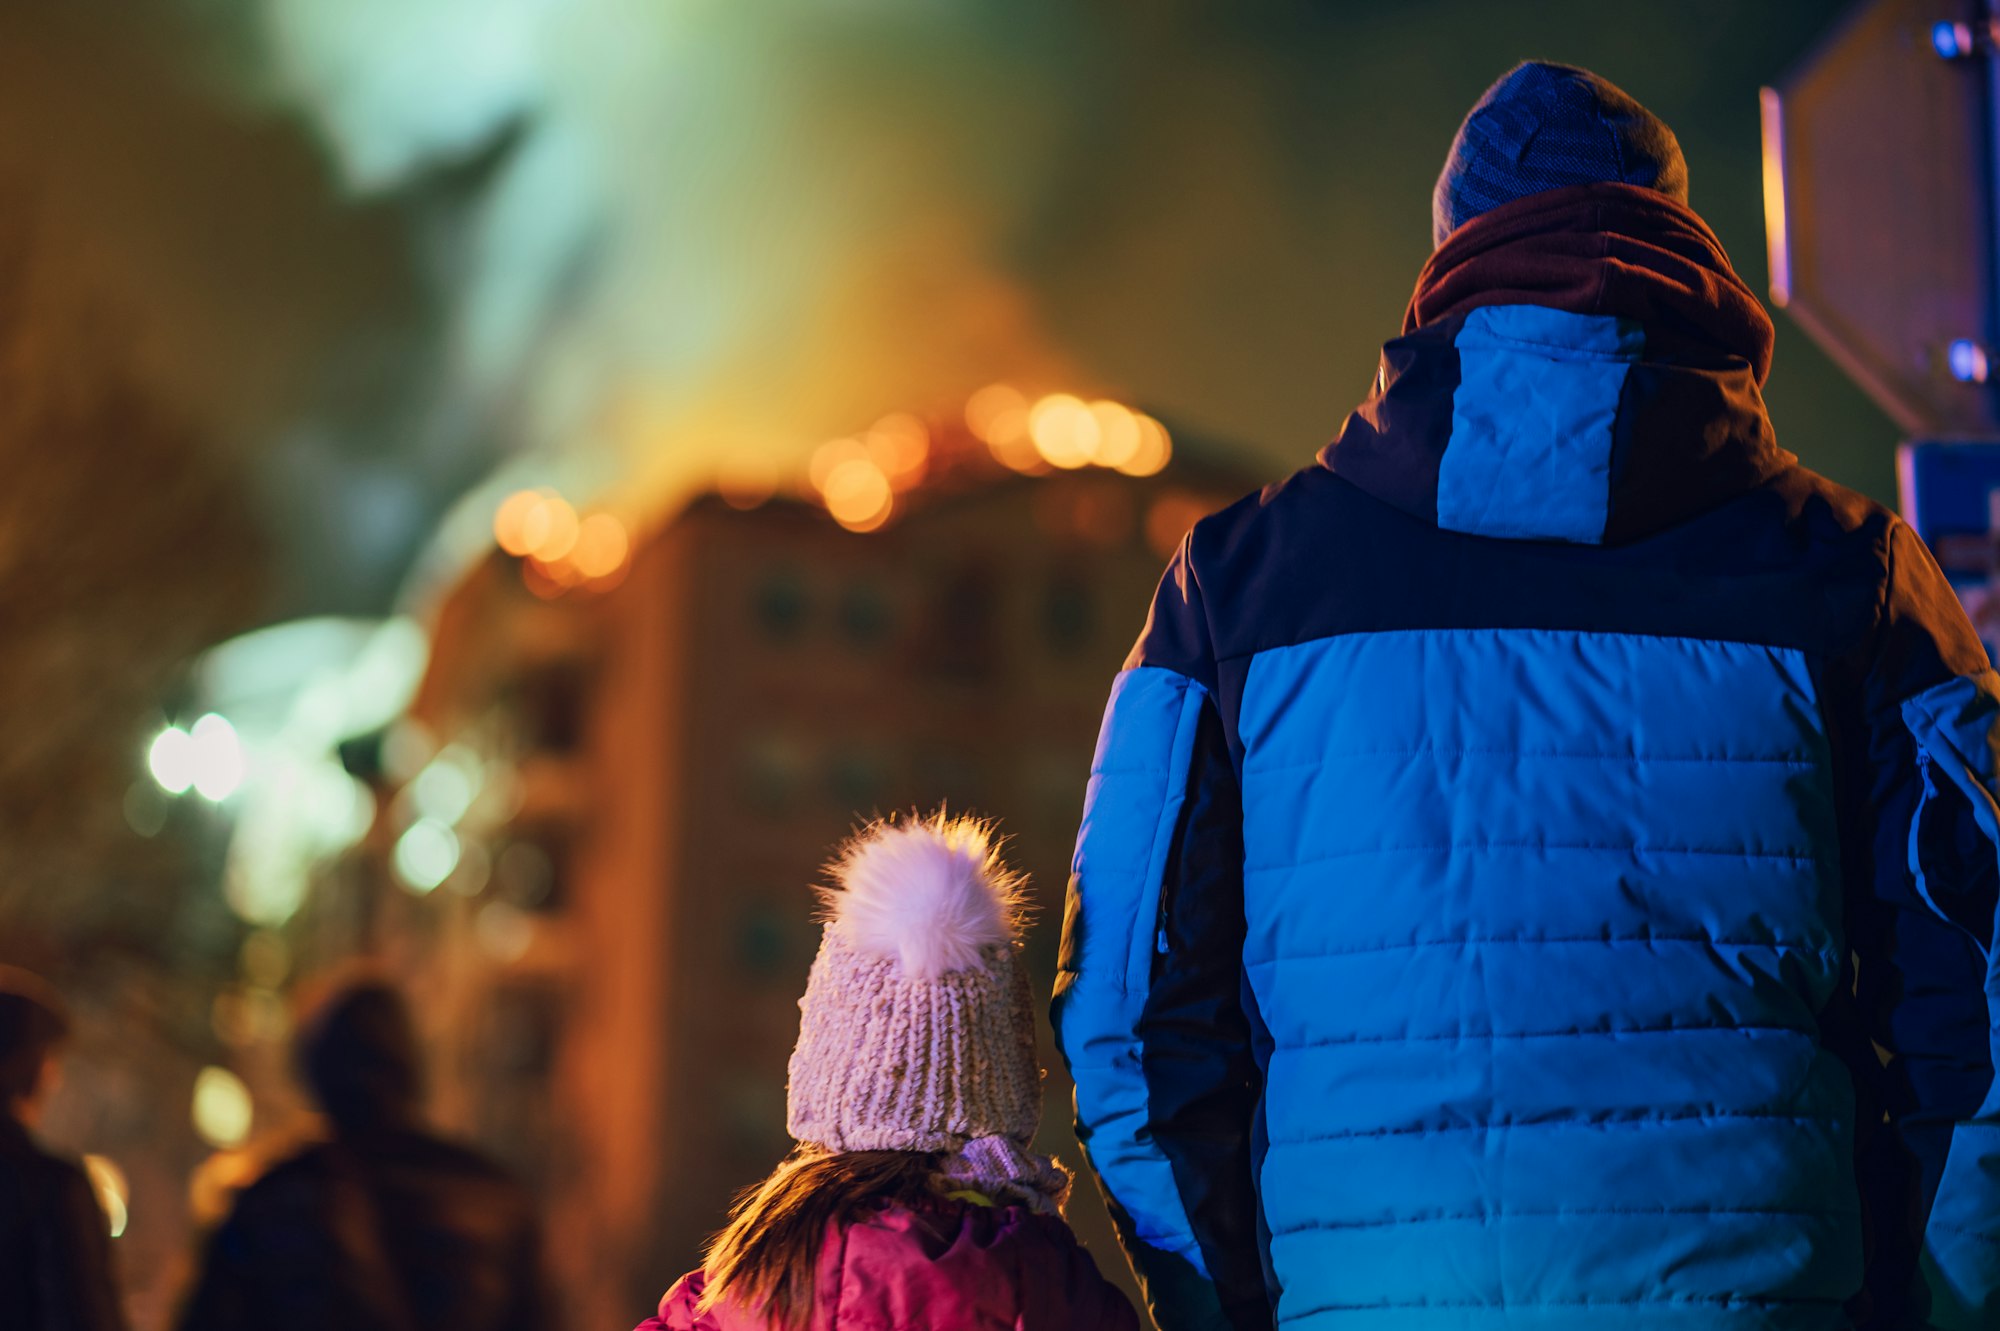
[916, 1032]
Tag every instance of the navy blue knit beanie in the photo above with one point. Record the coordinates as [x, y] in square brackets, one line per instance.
[1545, 126]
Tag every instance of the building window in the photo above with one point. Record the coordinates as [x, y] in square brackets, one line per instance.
[782, 604]
[865, 614]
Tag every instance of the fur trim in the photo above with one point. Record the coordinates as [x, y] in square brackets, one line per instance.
[931, 892]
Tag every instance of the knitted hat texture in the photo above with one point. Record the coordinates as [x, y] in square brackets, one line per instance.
[1544, 126]
[916, 1030]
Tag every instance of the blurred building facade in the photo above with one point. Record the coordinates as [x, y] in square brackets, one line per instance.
[613, 933]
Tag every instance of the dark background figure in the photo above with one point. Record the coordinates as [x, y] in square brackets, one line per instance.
[385, 1226]
[55, 1250]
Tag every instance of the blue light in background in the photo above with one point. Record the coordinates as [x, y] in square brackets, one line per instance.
[1967, 360]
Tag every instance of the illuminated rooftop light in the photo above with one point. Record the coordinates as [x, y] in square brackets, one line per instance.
[425, 854]
[858, 495]
[553, 528]
[1064, 430]
[829, 456]
[171, 760]
[1156, 449]
[510, 521]
[998, 414]
[601, 546]
[217, 761]
[1968, 361]
[107, 1180]
[1119, 439]
[900, 444]
[222, 1108]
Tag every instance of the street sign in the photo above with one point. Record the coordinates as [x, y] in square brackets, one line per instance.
[1878, 191]
[1950, 492]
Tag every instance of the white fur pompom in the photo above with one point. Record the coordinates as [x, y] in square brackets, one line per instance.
[930, 892]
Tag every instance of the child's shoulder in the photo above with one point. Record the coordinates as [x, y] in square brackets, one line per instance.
[966, 1264]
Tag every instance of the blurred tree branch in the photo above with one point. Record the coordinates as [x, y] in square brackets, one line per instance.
[124, 549]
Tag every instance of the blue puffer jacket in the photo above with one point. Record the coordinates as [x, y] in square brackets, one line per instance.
[1540, 861]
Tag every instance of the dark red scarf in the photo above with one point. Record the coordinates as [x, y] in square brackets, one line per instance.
[1603, 249]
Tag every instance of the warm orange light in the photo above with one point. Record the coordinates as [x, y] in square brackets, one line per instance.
[1155, 449]
[1119, 438]
[998, 415]
[1064, 430]
[858, 495]
[601, 546]
[558, 528]
[900, 444]
[510, 521]
[828, 457]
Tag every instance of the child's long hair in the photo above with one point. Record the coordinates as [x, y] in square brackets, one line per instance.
[767, 1257]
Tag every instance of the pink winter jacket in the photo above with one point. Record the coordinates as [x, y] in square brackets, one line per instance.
[956, 1266]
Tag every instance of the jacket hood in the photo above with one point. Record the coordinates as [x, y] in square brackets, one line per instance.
[1578, 365]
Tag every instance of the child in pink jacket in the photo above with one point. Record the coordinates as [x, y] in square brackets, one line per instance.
[913, 1201]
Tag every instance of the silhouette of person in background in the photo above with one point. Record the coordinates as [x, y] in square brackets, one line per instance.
[55, 1248]
[384, 1227]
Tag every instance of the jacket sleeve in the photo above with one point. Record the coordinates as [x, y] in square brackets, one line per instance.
[1928, 983]
[1148, 1007]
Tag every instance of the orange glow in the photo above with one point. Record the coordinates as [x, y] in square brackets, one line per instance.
[828, 457]
[998, 415]
[1119, 438]
[858, 495]
[510, 521]
[555, 528]
[1155, 449]
[601, 546]
[1064, 430]
[900, 445]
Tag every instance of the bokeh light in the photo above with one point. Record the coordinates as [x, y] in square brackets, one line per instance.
[858, 495]
[900, 444]
[425, 854]
[1155, 449]
[601, 546]
[171, 760]
[998, 414]
[217, 761]
[829, 457]
[1119, 437]
[510, 521]
[1064, 430]
[222, 1110]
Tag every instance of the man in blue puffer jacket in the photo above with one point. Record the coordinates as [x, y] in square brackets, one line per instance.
[1540, 861]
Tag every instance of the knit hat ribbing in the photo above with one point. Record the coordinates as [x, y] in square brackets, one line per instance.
[1545, 126]
[916, 1030]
